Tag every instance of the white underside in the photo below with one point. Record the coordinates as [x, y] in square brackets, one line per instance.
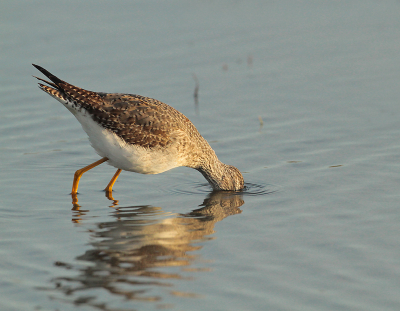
[122, 155]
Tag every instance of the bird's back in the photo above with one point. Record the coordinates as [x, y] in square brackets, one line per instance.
[137, 120]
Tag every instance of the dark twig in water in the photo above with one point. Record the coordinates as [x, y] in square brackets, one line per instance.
[196, 93]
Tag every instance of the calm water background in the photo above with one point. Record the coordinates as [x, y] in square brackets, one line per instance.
[317, 230]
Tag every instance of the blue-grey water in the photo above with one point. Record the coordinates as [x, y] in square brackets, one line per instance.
[302, 96]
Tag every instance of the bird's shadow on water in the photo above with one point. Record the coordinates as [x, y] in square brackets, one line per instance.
[142, 253]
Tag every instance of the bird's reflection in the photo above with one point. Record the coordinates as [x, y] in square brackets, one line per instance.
[143, 252]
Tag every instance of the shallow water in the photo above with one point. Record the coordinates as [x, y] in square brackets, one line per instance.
[301, 96]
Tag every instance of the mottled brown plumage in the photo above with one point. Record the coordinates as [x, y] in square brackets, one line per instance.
[146, 125]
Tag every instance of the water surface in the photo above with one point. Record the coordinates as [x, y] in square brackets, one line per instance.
[301, 96]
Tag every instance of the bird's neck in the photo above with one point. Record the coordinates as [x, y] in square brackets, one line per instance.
[221, 176]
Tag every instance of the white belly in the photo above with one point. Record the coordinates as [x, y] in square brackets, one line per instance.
[126, 156]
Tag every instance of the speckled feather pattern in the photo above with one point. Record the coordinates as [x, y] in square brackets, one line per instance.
[148, 123]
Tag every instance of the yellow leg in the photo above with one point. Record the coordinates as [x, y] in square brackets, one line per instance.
[112, 181]
[79, 173]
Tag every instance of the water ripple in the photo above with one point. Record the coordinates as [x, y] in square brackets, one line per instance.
[191, 188]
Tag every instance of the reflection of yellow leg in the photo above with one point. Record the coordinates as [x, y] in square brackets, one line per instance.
[110, 197]
[112, 181]
[79, 173]
[75, 205]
